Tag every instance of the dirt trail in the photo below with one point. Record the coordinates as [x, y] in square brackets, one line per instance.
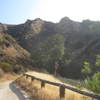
[8, 92]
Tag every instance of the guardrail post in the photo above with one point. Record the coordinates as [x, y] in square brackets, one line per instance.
[26, 76]
[32, 79]
[42, 84]
[61, 91]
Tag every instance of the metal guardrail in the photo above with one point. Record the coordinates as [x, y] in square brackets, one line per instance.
[62, 87]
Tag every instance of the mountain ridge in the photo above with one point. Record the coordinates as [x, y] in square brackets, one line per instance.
[82, 40]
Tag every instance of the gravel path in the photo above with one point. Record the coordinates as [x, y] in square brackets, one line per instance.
[9, 92]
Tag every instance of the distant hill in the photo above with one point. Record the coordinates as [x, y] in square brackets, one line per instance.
[82, 39]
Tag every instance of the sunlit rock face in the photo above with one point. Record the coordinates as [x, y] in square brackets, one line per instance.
[33, 27]
[3, 28]
[66, 25]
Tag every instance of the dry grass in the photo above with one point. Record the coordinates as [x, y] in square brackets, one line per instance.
[8, 76]
[10, 51]
[44, 76]
[50, 92]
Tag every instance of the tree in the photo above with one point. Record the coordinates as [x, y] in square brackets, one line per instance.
[86, 68]
[93, 82]
[38, 58]
[54, 49]
[49, 53]
[98, 60]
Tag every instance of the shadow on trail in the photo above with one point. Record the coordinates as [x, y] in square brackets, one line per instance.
[17, 91]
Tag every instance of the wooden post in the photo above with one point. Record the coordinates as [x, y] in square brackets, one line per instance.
[61, 92]
[26, 77]
[42, 84]
[32, 79]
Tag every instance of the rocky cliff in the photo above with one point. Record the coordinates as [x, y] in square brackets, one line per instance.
[82, 39]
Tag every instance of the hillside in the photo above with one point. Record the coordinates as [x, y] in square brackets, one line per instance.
[81, 40]
[12, 55]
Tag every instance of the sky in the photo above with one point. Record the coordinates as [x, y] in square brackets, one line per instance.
[18, 11]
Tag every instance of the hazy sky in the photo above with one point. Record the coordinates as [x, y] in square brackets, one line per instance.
[18, 11]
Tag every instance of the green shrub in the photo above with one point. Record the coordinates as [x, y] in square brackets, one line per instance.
[86, 68]
[18, 68]
[2, 41]
[93, 83]
[6, 67]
